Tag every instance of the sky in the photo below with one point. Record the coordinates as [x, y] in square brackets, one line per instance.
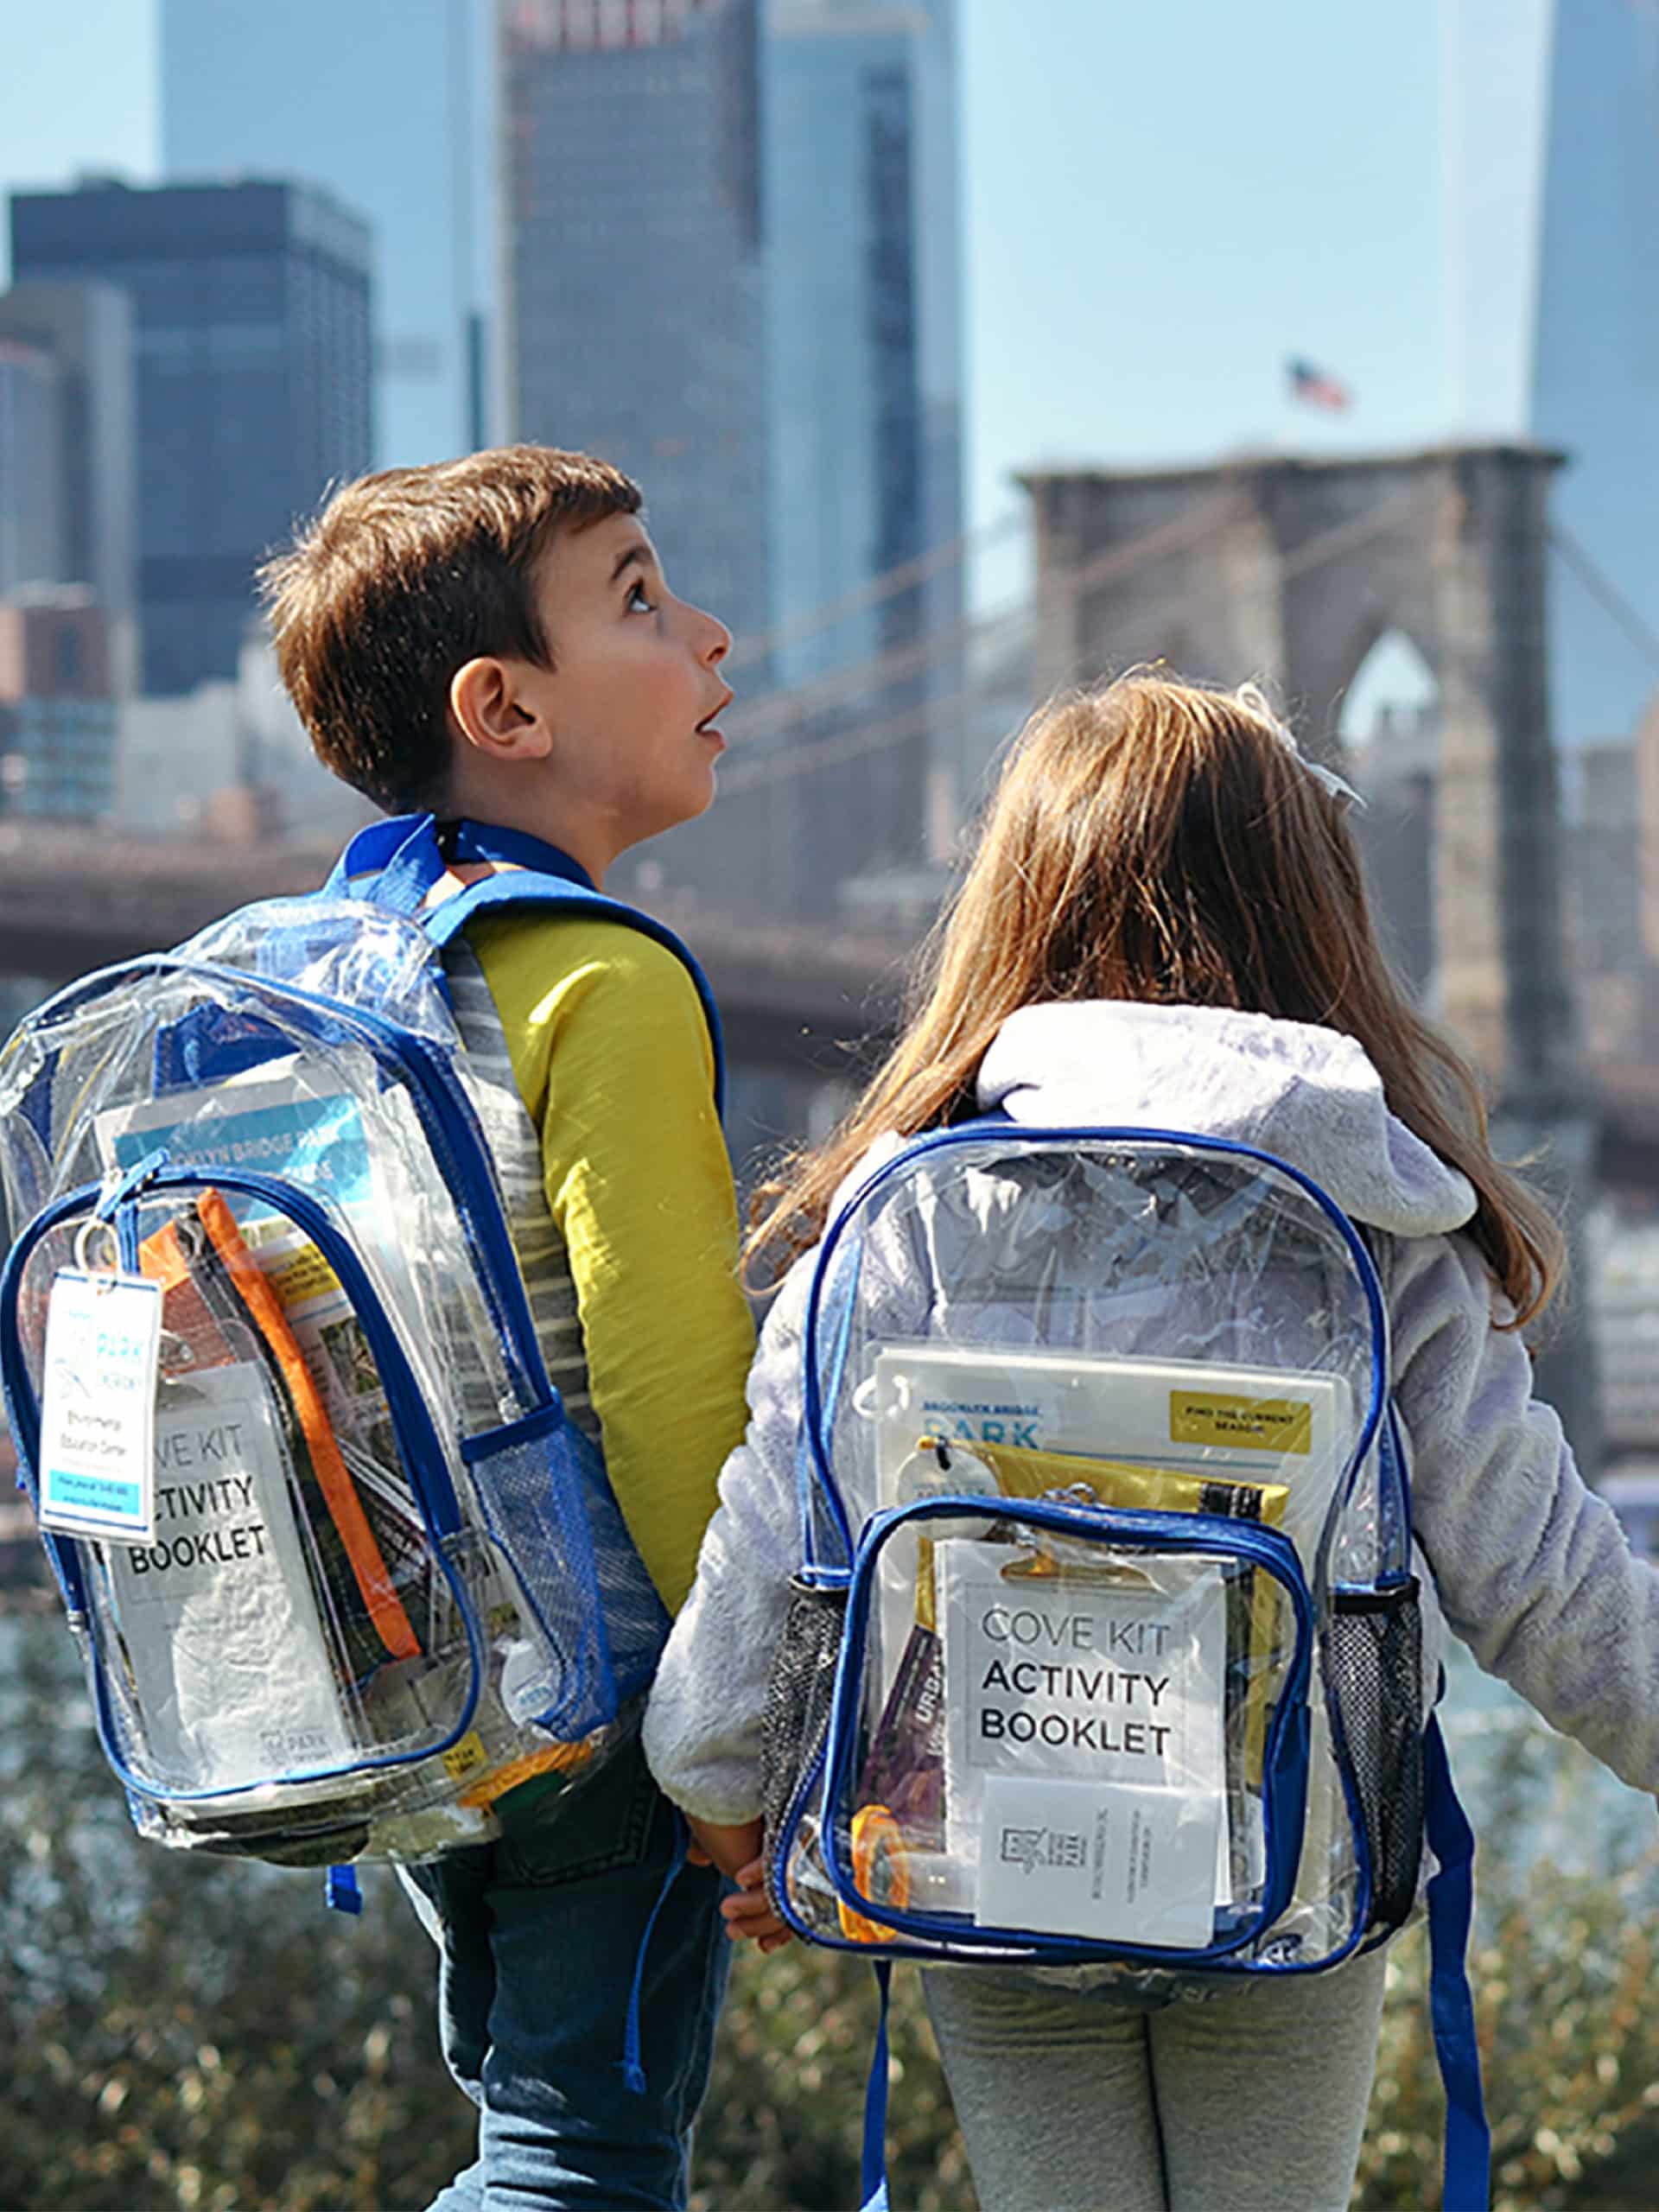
[1161, 205]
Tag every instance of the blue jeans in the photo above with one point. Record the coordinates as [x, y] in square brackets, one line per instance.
[538, 1937]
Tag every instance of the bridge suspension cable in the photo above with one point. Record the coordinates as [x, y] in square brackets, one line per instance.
[872, 593]
[1606, 593]
[779, 761]
[774, 715]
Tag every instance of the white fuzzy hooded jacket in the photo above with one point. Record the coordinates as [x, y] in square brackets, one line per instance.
[1531, 1569]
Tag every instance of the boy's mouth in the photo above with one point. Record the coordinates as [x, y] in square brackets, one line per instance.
[706, 727]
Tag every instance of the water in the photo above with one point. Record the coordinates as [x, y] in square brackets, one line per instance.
[1575, 1812]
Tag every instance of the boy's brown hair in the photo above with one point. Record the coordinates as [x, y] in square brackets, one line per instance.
[403, 578]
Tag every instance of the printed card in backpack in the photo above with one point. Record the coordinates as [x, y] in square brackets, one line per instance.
[1096, 1702]
[222, 1640]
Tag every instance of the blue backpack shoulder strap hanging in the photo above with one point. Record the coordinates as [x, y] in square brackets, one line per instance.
[1467, 2180]
[394, 864]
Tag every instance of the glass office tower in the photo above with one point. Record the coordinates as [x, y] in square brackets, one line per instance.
[635, 310]
[250, 310]
[1553, 213]
[864, 287]
[390, 106]
[863, 295]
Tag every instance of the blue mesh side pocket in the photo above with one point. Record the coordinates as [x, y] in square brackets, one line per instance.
[549, 1505]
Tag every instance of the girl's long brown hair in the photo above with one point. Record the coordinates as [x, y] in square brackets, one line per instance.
[1151, 840]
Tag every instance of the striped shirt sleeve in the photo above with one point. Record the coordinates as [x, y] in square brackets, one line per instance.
[612, 1056]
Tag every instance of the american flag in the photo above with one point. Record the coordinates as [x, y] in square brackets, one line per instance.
[1314, 387]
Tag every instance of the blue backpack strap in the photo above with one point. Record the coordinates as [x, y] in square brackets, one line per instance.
[633, 2070]
[393, 865]
[873, 2182]
[1468, 2183]
[341, 1891]
[519, 887]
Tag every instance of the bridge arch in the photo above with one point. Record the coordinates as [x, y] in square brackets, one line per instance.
[1292, 569]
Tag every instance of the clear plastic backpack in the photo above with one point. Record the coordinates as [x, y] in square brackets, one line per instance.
[1105, 1648]
[383, 1579]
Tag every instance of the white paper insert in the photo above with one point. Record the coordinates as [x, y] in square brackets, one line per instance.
[281, 1118]
[1113, 1689]
[1122, 1408]
[98, 1402]
[1110, 1860]
[218, 1616]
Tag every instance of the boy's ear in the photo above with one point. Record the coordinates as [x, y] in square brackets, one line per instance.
[492, 712]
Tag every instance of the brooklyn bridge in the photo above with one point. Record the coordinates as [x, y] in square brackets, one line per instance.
[1288, 568]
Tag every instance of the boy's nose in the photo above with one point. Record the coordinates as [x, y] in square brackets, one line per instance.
[716, 641]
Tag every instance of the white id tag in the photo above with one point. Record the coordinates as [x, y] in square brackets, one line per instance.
[98, 1407]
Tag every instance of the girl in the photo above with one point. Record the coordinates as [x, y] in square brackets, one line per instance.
[1166, 924]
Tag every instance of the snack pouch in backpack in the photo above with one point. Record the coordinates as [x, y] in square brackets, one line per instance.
[383, 1580]
[1105, 1646]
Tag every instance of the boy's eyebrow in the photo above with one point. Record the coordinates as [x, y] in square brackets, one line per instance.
[639, 551]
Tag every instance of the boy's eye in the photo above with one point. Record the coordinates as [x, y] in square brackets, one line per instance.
[640, 600]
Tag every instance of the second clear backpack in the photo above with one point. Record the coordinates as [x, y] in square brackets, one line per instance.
[1105, 1646]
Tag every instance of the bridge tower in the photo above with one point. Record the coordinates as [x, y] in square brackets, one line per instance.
[1289, 568]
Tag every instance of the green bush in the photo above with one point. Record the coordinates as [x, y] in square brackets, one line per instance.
[1562, 1966]
[175, 2034]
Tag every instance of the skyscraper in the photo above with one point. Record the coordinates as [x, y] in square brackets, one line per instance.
[31, 466]
[863, 296]
[251, 312]
[57, 712]
[1552, 115]
[391, 107]
[88, 458]
[634, 275]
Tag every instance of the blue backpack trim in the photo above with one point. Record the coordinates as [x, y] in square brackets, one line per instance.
[819, 1409]
[393, 865]
[418, 1440]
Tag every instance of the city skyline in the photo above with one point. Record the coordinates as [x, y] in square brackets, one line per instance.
[249, 307]
[1060, 137]
[1156, 212]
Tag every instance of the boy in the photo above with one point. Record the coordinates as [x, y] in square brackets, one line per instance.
[492, 641]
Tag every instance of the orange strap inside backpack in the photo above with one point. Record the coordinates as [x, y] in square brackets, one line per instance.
[163, 1257]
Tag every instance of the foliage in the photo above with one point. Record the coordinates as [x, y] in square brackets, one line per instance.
[1562, 1965]
[780, 2131]
[178, 2034]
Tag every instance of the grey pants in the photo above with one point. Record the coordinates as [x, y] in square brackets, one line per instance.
[1253, 2101]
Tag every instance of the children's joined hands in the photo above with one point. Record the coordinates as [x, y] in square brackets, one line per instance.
[748, 1911]
[736, 1851]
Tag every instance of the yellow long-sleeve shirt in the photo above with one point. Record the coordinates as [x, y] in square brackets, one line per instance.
[611, 1057]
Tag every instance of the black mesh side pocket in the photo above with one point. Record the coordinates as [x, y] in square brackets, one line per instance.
[1374, 1669]
[797, 1708]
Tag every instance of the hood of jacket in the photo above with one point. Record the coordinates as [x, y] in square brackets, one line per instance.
[1307, 1095]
